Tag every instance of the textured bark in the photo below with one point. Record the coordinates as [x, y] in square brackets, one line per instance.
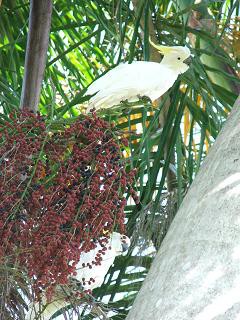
[196, 273]
[36, 52]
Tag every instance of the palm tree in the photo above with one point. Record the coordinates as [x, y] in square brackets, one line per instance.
[195, 273]
[86, 39]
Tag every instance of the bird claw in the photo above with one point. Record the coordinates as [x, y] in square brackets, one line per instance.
[126, 107]
[145, 99]
[125, 102]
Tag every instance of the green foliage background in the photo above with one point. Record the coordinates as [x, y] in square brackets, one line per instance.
[89, 37]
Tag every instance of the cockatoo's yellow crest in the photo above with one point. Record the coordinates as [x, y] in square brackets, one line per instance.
[160, 48]
[170, 50]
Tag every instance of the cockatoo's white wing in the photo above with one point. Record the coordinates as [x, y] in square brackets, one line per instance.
[115, 247]
[105, 81]
[128, 81]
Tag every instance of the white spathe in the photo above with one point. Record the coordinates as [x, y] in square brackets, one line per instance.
[140, 78]
[116, 245]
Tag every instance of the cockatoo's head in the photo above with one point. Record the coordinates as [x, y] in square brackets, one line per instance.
[177, 58]
[119, 242]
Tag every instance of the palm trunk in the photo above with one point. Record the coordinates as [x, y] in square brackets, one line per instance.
[36, 53]
[195, 274]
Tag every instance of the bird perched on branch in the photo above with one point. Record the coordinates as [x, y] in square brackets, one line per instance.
[140, 78]
[116, 245]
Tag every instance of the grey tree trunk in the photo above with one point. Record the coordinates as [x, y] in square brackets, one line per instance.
[196, 273]
[36, 52]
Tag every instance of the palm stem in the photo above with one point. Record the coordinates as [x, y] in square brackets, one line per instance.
[36, 52]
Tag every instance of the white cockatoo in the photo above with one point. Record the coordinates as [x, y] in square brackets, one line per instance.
[116, 245]
[140, 78]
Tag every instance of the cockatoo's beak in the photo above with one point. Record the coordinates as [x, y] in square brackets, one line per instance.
[125, 243]
[125, 247]
[188, 61]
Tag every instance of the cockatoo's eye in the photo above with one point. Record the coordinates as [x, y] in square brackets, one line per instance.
[179, 58]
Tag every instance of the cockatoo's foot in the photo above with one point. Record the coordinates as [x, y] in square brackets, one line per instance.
[125, 107]
[145, 99]
[124, 102]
